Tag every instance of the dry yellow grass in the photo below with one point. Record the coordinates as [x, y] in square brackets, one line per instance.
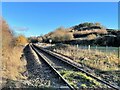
[91, 36]
[92, 58]
[60, 34]
[98, 31]
[20, 40]
[12, 66]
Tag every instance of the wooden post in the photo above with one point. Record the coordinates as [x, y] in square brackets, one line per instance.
[88, 47]
[106, 50]
[77, 48]
[77, 45]
[50, 40]
[118, 52]
[96, 48]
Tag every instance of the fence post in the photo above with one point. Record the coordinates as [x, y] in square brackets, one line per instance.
[89, 48]
[118, 52]
[106, 49]
[96, 48]
[77, 45]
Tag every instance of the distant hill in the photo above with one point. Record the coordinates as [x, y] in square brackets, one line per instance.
[87, 26]
[84, 33]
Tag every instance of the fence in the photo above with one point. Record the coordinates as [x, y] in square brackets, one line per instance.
[107, 50]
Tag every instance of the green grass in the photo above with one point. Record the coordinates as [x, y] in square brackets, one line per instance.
[80, 80]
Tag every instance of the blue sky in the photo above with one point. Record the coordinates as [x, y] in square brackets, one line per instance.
[36, 18]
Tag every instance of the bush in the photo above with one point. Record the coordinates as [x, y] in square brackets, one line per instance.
[91, 36]
[7, 35]
[60, 34]
[12, 66]
[88, 26]
[68, 36]
[40, 39]
[33, 40]
[20, 40]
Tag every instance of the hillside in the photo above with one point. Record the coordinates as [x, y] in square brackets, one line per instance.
[84, 34]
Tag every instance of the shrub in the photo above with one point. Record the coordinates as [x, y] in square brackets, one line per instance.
[91, 36]
[68, 36]
[20, 40]
[60, 34]
[97, 24]
[12, 66]
[88, 26]
[40, 39]
[32, 40]
[7, 35]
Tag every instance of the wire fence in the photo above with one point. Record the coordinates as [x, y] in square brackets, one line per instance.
[107, 50]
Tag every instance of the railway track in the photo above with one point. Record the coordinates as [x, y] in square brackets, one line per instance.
[58, 63]
[87, 68]
[64, 84]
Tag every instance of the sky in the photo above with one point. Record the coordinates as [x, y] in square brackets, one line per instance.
[36, 18]
[60, 0]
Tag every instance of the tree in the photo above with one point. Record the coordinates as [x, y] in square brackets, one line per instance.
[61, 34]
[87, 24]
[40, 39]
[20, 40]
[97, 24]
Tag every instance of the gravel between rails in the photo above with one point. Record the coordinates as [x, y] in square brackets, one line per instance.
[62, 66]
[110, 77]
[39, 74]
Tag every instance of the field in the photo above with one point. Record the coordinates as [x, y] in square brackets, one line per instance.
[107, 50]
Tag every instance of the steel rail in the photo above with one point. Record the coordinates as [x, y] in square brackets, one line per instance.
[78, 67]
[46, 60]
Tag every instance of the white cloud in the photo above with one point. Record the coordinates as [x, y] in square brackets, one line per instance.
[20, 28]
